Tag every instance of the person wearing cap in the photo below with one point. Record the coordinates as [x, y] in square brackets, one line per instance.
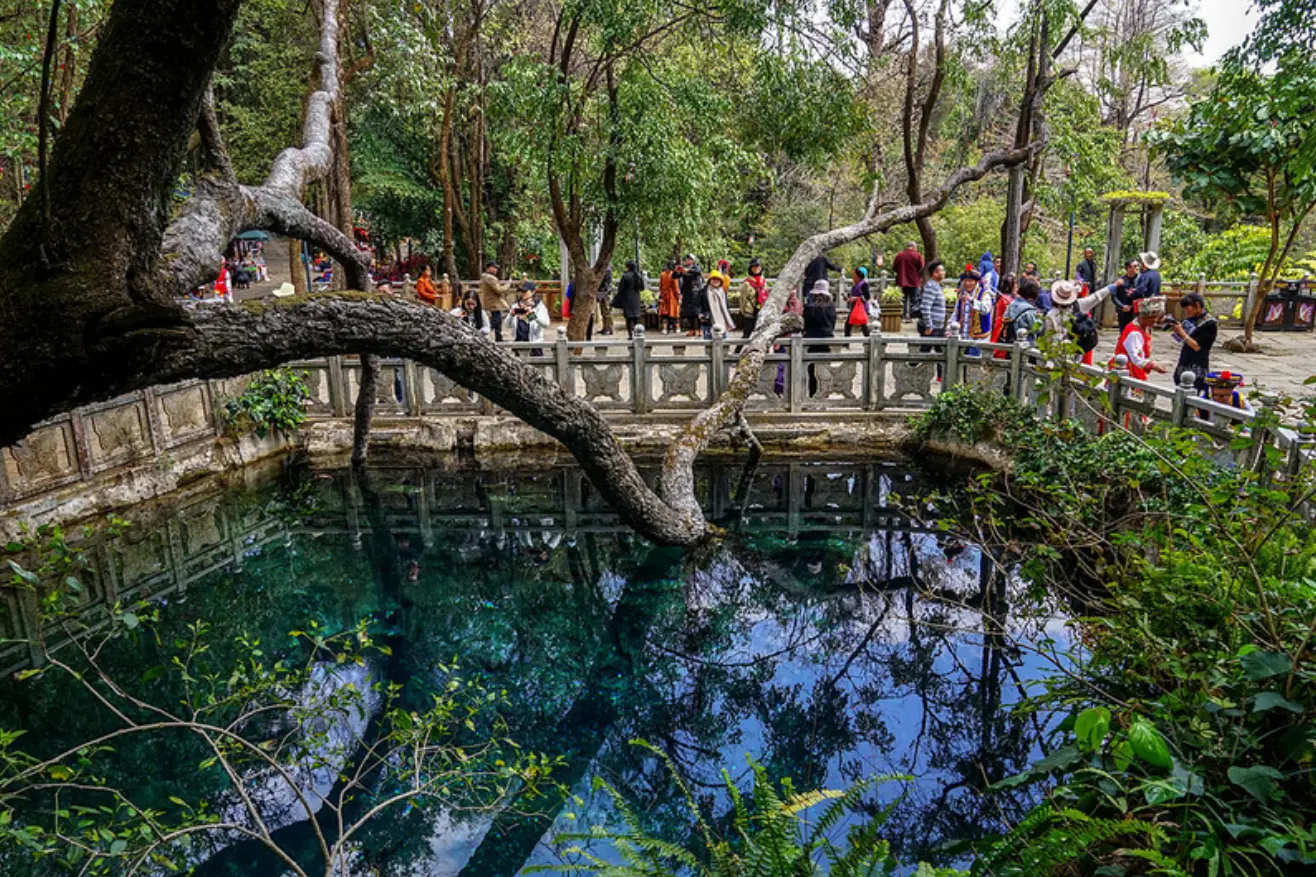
[1223, 388]
[669, 298]
[858, 305]
[1136, 341]
[819, 322]
[1067, 304]
[908, 266]
[719, 314]
[753, 293]
[1149, 279]
[973, 311]
[493, 299]
[1197, 333]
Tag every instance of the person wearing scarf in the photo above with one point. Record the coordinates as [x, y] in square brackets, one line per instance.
[753, 293]
[859, 297]
[973, 310]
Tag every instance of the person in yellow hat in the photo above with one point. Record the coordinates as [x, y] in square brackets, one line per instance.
[718, 309]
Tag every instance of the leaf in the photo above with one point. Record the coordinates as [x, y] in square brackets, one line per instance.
[1269, 700]
[1091, 727]
[1259, 781]
[1262, 665]
[179, 801]
[118, 847]
[73, 585]
[130, 620]
[1149, 745]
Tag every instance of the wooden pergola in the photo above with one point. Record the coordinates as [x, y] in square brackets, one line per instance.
[1151, 204]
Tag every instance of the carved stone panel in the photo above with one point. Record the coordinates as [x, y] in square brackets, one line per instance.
[912, 379]
[45, 456]
[118, 434]
[836, 379]
[765, 393]
[186, 414]
[603, 381]
[679, 382]
[444, 389]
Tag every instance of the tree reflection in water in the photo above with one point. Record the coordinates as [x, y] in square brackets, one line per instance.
[826, 637]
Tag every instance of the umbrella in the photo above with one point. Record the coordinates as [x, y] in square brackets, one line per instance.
[254, 235]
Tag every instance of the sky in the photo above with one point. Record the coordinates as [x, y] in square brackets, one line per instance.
[1227, 23]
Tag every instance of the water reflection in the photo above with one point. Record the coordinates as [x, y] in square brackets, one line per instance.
[830, 638]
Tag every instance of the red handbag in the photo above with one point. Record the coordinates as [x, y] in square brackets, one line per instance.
[858, 313]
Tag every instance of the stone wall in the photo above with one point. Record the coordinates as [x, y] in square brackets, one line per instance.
[118, 453]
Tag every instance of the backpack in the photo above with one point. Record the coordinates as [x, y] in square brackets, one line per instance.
[1010, 331]
[1083, 329]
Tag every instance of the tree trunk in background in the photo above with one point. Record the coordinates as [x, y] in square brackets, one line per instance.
[295, 266]
[69, 63]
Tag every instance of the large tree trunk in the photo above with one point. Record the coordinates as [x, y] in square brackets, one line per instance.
[94, 314]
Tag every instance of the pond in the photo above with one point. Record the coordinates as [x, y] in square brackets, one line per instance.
[830, 637]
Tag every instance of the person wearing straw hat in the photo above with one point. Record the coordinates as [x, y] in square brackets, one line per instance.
[1070, 316]
[1222, 387]
[1136, 341]
[1148, 284]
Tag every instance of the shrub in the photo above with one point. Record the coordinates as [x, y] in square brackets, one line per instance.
[274, 401]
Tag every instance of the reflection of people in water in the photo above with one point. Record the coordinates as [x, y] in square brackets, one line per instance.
[409, 557]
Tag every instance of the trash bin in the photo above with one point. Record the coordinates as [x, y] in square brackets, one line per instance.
[1304, 307]
[1289, 307]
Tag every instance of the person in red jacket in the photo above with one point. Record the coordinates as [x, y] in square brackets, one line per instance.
[1136, 340]
[908, 266]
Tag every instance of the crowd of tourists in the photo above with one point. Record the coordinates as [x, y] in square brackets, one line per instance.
[986, 306]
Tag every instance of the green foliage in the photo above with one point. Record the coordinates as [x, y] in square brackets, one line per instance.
[263, 81]
[274, 401]
[259, 720]
[1249, 149]
[770, 834]
[1194, 696]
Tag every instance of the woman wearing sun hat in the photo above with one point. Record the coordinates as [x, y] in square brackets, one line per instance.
[1067, 306]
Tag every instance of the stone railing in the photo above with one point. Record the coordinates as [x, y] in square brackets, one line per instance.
[150, 425]
[654, 375]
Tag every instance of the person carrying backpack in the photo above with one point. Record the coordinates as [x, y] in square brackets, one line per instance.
[1070, 320]
[1022, 316]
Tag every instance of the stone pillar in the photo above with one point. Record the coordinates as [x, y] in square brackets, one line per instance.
[1114, 240]
[1155, 216]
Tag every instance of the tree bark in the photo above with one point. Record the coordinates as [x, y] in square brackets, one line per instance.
[365, 408]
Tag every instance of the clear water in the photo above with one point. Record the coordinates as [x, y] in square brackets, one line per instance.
[828, 637]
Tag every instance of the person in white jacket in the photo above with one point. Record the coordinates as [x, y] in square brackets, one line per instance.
[717, 302]
[1066, 304]
[531, 316]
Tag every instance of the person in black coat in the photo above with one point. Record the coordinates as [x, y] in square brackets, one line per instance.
[692, 282]
[1087, 269]
[816, 271]
[628, 297]
[819, 322]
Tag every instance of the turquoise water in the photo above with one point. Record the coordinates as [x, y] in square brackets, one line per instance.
[829, 637]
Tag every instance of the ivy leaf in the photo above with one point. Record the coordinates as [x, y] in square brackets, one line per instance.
[1149, 745]
[1260, 781]
[1091, 727]
[1269, 700]
[1261, 665]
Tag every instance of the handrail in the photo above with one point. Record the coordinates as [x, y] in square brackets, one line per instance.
[653, 374]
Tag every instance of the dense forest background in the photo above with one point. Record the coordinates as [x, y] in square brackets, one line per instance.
[728, 130]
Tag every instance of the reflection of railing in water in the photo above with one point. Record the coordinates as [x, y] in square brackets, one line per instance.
[178, 546]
